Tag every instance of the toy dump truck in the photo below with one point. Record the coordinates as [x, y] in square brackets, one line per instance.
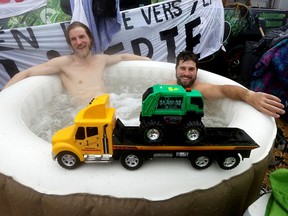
[98, 137]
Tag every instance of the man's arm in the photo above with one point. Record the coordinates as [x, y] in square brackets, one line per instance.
[46, 68]
[266, 103]
[113, 59]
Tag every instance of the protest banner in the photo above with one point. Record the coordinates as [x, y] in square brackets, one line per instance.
[158, 31]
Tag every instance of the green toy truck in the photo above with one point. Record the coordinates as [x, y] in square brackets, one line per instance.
[171, 107]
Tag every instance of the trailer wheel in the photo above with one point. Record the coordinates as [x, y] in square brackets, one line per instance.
[131, 160]
[152, 131]
[228, 161]
[68, 160]
[201, 161]
[193, 131]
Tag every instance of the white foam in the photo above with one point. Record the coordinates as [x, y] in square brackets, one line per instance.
[60, 112]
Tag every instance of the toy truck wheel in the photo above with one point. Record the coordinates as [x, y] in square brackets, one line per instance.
[152, 131]
[68, 160]
[153, 135]
[131, 160]
[193, 131]
[229, 161]
[201, 161]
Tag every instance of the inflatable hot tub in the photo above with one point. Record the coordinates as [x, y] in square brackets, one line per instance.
[31, 183]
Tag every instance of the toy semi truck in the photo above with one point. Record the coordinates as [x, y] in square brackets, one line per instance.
[166, 130]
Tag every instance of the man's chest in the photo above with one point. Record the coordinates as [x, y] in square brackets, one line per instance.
[83, 72]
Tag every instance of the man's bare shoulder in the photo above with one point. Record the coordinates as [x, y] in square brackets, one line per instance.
[61, 60]
[201, 85]
[100, 56]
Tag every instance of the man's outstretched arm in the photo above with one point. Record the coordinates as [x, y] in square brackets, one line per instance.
[265, 103]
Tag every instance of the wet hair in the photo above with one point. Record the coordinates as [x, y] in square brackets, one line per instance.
[75, 25]
[187, 56]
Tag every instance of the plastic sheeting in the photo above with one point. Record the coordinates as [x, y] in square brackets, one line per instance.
[14, 8]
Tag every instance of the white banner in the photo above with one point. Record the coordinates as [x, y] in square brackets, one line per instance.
[10, 8]
[159, 31]
[162, 30]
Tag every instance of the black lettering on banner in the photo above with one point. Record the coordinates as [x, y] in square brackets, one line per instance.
[116, 48]
[63, 27]
[156, 13]
[125, 21]
[136, 48]
[17, 34]
[10, 66]
[168, 36]
[2, 48]
[172, 8]
[206, 3]
[147, 19]
[178, 10]
[192, 41]
[194, 8]
[52, 54]
[169, 9]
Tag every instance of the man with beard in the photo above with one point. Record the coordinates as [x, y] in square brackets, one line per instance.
[81, 73]
[186, 73]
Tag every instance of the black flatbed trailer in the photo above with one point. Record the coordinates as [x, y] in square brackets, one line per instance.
[223, 144]
[215, 136]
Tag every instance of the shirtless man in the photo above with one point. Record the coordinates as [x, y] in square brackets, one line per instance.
[186, 72]
[81, 73]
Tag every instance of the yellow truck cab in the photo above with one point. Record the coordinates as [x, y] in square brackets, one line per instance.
[90, 138]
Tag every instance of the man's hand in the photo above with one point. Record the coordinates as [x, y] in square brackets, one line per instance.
[266, 103]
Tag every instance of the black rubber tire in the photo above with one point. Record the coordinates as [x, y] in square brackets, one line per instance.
[153, 131]
[68, 160]
[201, 161]
[131, 160]
[228, 161]
[193, 132]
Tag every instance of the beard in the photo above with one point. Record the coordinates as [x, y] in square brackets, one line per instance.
[83, 53]
[187, 83]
